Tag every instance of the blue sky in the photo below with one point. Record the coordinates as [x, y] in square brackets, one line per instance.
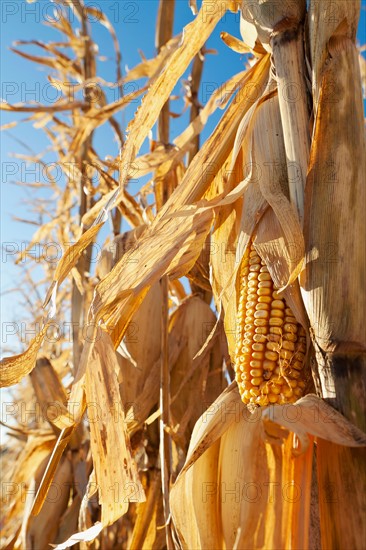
[22, 80]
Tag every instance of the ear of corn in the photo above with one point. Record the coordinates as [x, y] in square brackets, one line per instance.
[270, 343]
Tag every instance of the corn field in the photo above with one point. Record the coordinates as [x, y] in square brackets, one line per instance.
[213, 392]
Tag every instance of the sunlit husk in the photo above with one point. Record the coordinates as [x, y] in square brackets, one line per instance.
[258, 493]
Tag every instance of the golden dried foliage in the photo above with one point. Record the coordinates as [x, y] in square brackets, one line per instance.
[138, 419]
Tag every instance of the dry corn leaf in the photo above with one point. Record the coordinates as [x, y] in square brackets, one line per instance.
[214, 150]
[115, 470]
[167, 247]
[70, 258]
[49, 473]
[96, 116]
[145, 531]
[14, 368]
[36, 450]
[234, 43]
[54, 108]
[146, 163]
[151, 68]
[194, 37]
[270, 245]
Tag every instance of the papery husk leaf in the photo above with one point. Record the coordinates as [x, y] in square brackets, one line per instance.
[265, 186]
[115, 469]
[275, 516]
[310, 415]
[194, 506]
[274, 249]
[264, 490]
[234, 222]
[289, 59]
[213, 423]
[249, 35]
[194, 385]
[269, 158]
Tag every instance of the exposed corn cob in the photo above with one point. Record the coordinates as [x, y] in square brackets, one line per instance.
[270, 343]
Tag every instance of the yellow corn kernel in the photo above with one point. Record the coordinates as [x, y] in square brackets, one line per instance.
[257, 346]
[264, 277]
[275, 322]
[288, 345]
[256, 373]
[276, 330]
[270, 343]
[264, 291]
[278, 304]
[273, 346]
[271, 355]
[260, 307]
[264, 299]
